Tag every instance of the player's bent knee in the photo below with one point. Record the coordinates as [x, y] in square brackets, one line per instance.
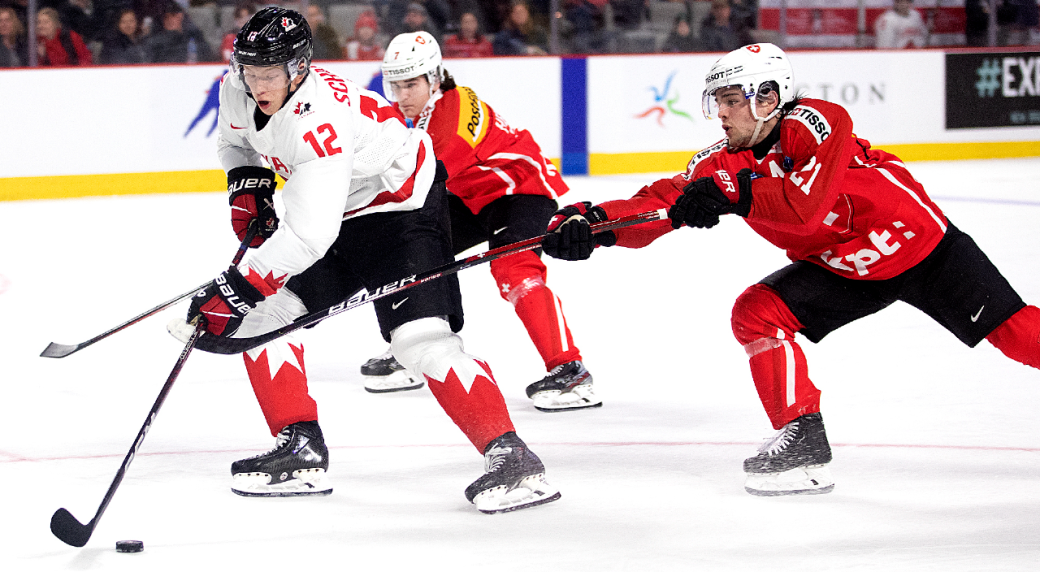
[277, 310]
[422, 345]
[760, 313]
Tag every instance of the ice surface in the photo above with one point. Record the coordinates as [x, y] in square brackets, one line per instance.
[936, 447]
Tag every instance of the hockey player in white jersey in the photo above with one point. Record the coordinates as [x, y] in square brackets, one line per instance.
[365, 204]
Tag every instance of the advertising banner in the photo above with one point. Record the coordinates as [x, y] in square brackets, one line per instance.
[992, 90]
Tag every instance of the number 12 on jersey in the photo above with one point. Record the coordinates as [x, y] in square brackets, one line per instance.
[327, 146]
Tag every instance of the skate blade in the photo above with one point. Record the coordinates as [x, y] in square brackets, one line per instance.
[400, 380]
[530, 491]
[304, 482]
[553, 400]
[811, 480]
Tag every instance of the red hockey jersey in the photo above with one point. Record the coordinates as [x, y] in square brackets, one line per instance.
[485, 157]
[822, 194]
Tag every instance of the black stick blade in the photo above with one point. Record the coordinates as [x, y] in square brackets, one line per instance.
[69, 530]
[54, 350]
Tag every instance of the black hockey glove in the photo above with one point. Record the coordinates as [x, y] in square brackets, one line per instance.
[705, 199]
[569, 236]
[251, 196]
[225, 302]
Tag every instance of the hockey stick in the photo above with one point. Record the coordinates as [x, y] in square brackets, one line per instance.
[54, 350]
[63, 524]
[222, 345]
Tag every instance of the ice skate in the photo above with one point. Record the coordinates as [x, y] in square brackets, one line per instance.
[793, 462]
[568, 386]
[296, 466]
[514, 478]
[384, 374]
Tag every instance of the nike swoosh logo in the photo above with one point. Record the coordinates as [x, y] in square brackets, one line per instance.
[975, 318]
[397, 304]
[500, 230]
[233, 126]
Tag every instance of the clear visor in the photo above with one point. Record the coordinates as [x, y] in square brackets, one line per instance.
[391, 89]
[723, 97]
[263, 79]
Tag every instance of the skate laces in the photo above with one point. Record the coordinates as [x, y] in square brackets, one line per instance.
[781, 440]
[388, 354]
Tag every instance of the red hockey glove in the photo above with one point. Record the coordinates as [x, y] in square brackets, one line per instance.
[225, 302]
[705, 199]
[251, 195]
[570, 236]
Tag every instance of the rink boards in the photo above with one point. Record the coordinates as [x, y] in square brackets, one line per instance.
[150, 129]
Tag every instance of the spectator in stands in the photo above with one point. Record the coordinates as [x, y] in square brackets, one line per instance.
[681, 39]
[469, 42]
[326, 41]
[417, 19]
[365, 44]
[628, 14]
[744, 15]
[79, 16]
[436, 13]
[57, 46]
[900, 27]
[977, 21]
[718, 34]
[1024, 30]
[243, 12]
[122, 43]
[14, 50]
[519, 35]
[586, 18]
[173, 43]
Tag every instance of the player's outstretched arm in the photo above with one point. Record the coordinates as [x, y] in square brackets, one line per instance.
[569, 235]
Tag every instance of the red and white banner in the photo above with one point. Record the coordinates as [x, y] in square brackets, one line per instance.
[835, 23]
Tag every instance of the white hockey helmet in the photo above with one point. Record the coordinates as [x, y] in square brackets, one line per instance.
[756, 69]
[411, 55]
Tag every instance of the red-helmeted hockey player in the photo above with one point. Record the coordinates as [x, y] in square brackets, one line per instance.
[861, 232]
[502, 189]
[365, 205]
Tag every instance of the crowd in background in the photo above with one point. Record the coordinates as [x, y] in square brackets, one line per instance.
[88, 32]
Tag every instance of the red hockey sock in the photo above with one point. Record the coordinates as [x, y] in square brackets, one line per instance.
[1019, 337]
[766, 328]
[470, 396]
[542, 314]
[280, 383]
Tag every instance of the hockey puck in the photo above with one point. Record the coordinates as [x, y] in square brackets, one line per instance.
[129, 546]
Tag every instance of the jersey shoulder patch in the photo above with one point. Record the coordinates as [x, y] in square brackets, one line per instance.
[474, 118]
[814, 121]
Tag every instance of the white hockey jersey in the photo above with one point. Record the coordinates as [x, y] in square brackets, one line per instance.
[343, 151]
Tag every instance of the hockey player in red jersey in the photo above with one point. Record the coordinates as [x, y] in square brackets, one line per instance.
[861, 232]
[501, 190]
[365, 205]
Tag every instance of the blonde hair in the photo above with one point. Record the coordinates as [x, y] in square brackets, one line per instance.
[52, 14]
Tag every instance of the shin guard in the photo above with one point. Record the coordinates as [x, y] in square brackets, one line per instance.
[521, 282]
[462, 384]
[765, 326]
[279, 381]
[1019, 337]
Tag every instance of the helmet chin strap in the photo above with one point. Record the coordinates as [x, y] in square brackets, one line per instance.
[760, 122]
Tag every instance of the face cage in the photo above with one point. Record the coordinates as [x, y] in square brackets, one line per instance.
[432, 77]
[291, 69]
